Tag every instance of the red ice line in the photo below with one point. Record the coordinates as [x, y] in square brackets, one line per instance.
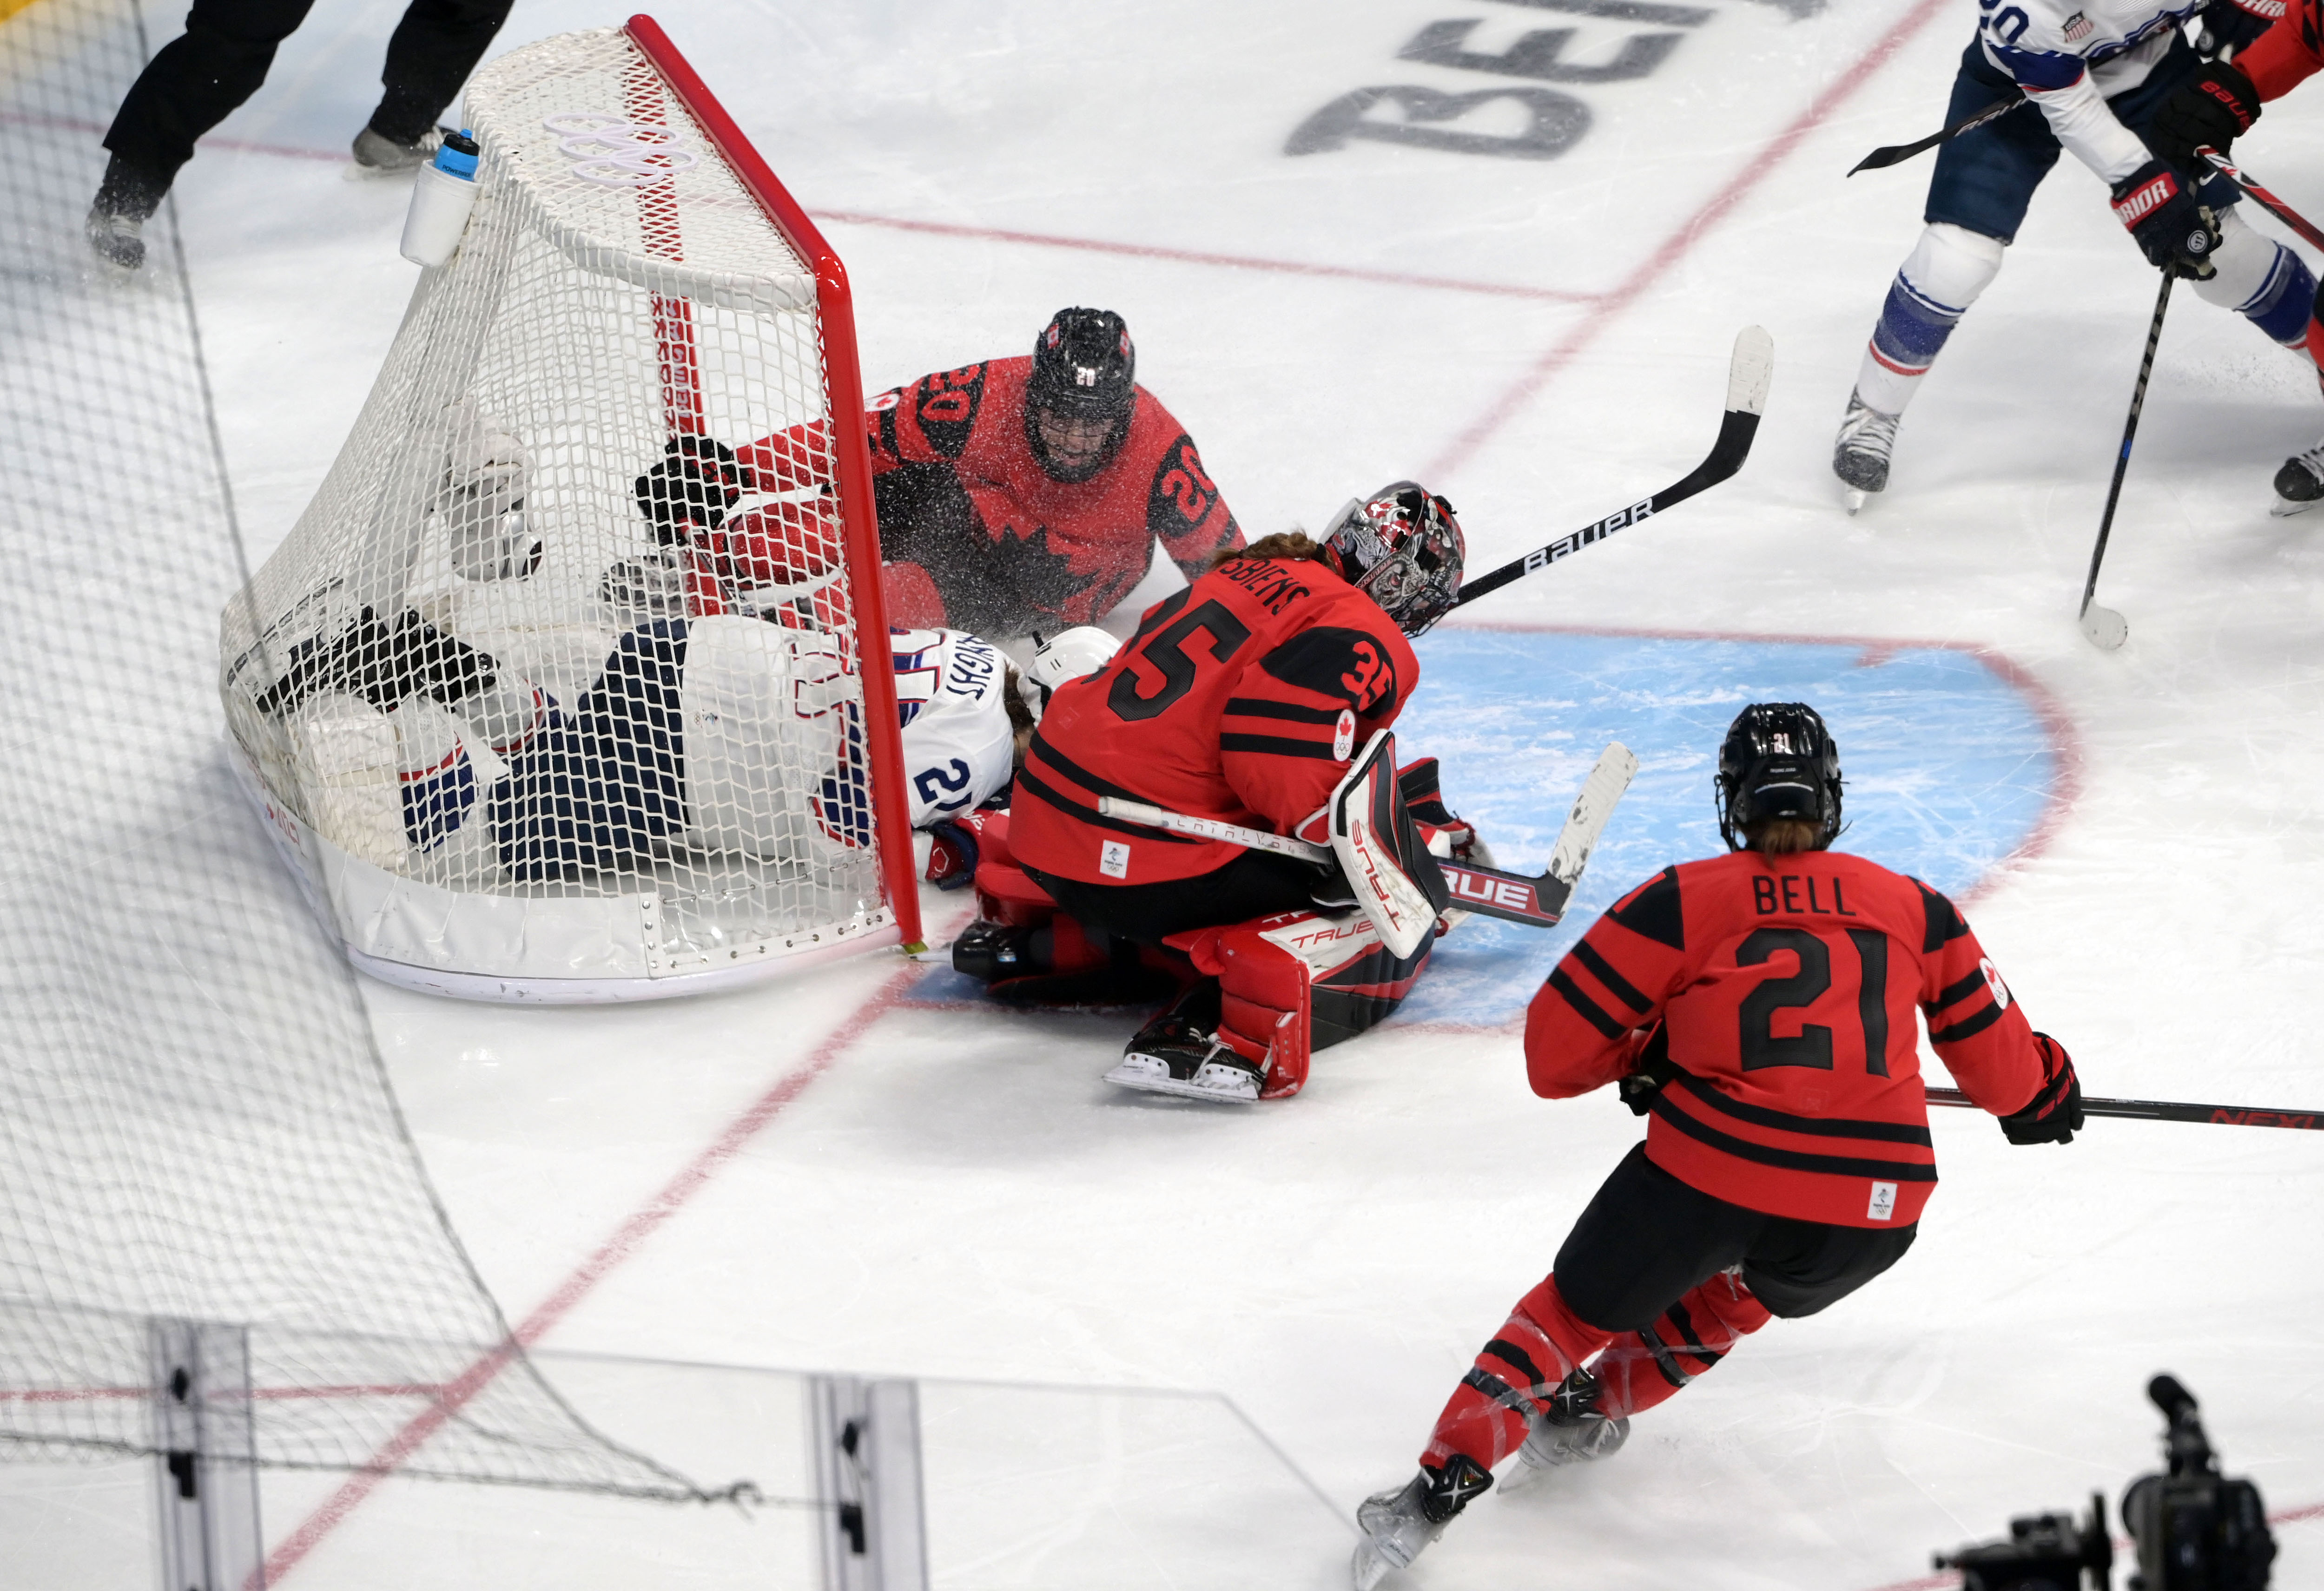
[624, 1242]
[1679, 243]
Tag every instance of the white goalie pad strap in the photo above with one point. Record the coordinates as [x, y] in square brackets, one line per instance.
[1374, 838]
[763, 711]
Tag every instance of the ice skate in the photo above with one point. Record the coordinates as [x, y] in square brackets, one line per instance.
[1171, 1055]
[1399, 1525]
[990, 951]
[2300, 483]
[1573, 1430]
[116, 238]
[1859, 454]
[380, 155]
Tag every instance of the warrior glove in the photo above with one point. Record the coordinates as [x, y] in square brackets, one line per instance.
[2054, 1114]
[2171, 229]
[2214, 107]
[698, 481]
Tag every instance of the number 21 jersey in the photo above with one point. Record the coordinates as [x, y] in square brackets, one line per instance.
[1788, 987]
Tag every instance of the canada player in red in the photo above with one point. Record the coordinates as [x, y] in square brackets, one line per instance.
[1016, 497]
[2215, 106]
[1024, 496]
[1760, 1006]
[1245, 698]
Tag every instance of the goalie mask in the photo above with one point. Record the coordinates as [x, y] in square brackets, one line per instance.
[1778, 761]
[1403, 549]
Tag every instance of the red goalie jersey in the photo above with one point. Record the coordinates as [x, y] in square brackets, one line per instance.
[1241, 698]
[1787, 986]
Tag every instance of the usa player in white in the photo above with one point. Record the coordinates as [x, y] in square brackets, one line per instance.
[2094, 73]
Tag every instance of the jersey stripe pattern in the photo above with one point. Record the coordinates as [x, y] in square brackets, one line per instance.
[1786, 988]
[1243, 697]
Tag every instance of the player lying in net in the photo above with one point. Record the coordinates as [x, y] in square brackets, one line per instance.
[2096, 74]
[722, 718]
[1016, 496]
[1759, 1005]
[1246, 698]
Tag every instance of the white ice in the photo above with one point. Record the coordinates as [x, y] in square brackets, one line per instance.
[955, 1193]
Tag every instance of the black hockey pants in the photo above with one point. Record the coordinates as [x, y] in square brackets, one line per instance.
[198, 78]
[1647, 1239]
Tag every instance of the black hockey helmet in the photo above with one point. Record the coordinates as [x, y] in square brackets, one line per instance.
[1402, 547]
[1778, 761]
[1084, 369]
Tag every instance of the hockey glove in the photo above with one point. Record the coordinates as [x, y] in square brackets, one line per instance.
[952, 856]
[2215, 106]
[383, 662]
[698, 481]
[2238, 24]
[2055, 1112]
[1649, 1074]
[2171, 229]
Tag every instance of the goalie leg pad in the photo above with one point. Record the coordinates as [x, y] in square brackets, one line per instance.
[1297, 982]
[1397, 883]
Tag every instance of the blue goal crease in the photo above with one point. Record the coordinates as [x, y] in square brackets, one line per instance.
[1950, 769]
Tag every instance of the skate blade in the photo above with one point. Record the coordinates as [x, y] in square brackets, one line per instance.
[1148, 1083]
[1368, 1568]
[2283, 507]
[2104, 628]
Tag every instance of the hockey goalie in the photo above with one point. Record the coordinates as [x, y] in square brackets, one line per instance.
[1255, 697]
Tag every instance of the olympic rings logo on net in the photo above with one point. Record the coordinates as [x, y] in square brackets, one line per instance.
[613, 152]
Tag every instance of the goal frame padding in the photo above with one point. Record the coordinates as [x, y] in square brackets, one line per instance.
[844, 393]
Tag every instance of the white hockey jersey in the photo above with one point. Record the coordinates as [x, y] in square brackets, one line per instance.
[2069, 55]
[958, 748]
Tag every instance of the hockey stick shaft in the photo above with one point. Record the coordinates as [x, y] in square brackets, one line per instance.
[2129, 433]
[2172, 1110]
[1537, 903]
[1748, 375]
[1894, 153]
[2267, 201]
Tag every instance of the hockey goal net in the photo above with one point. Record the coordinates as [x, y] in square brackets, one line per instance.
[559, 689]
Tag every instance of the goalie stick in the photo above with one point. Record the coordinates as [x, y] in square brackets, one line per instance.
[1748, 373]
[2172, 1110]
[1536, 902]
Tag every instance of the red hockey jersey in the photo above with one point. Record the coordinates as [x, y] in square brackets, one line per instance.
[1788, 986]
[1243, 698]
[2287, 53]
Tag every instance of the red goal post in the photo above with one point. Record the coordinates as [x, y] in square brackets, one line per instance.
[844, 384]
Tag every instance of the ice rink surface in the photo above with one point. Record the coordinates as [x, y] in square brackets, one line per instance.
[919, 1187]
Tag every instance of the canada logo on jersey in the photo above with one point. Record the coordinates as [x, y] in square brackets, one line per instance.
[1993, 982]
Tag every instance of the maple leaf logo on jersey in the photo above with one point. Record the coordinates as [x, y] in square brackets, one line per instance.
[2078, 27]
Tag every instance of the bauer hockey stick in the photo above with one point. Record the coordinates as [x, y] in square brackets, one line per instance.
[1890, 154]
[2172, 1110]
[2105, 628]
[2267, 201]
[1748, 375]
[1536, 902]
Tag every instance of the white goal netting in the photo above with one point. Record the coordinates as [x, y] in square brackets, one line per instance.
[195, 1124]
[555, 689]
